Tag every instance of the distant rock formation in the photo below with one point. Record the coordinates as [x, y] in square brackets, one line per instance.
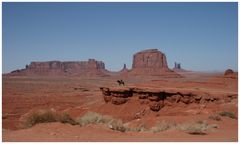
[228, 72]
[124, 69]
[90, 67]
[177, 65]
[151, 62]
[178, 68]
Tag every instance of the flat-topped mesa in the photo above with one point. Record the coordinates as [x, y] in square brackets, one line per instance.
[90, 67]
[151, 62]
[151, 58]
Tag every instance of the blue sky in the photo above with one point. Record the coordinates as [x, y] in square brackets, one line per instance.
[201, 36]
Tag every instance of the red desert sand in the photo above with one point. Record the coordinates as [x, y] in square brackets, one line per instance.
[82, 101]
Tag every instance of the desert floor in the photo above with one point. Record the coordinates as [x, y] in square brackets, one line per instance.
[78, 95]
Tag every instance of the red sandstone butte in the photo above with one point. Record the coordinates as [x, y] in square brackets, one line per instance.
[228, 72]
[151, 62]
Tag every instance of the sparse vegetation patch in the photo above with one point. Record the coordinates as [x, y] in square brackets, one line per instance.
[228, 114]
[196, 128]
[41, 116]
[45, 116]
[95, 118]
[215, 117]
[161, 126]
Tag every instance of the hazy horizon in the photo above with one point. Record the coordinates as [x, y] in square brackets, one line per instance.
[200, 36]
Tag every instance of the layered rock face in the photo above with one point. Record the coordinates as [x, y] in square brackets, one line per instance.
[151, 62]
[156, 99]
[90, 67]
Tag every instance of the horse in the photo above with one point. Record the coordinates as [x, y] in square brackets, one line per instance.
[120, 82]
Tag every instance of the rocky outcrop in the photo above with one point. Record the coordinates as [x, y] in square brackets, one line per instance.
[151, 62]
[124, 69]
[156, 99]
[177, 65]
[228, 72]
[90, 67]
[178, 68]
[116, 96]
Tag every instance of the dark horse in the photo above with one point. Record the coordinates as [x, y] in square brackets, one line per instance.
[120, 82]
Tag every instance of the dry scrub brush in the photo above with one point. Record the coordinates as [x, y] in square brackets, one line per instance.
[162, 126]
[215, 117]
[196, 128]
[45, 116]
[96, 118]
[228, 114]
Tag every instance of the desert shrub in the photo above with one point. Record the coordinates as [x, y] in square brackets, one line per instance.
[65, 118]
[161, 126]
[42, 116]
[105, 119]
[117, 125]
[227, 114]
[197, 128]
[95, 118]
[215, 117]
[138, 128]
[45, 116]
[213, 126]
